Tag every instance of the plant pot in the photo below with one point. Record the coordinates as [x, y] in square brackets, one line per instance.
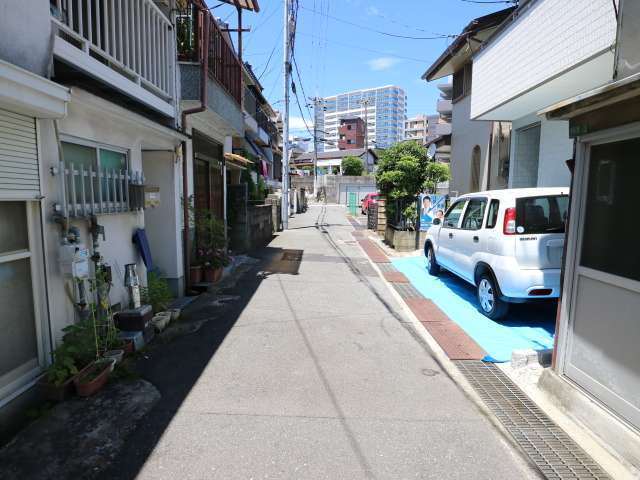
[209, 275]
[128, 347]
[161, 321]
[195, 274]
[117, 355]
[56, 393]
[175, 314]
[217, 274]
[93, 377]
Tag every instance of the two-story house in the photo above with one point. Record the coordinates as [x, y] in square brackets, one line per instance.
[479, 151]
[565, 73]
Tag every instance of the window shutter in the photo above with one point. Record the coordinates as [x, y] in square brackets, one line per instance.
[19, 177]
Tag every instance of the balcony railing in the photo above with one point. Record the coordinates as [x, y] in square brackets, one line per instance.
[131, 37]
[224, 65]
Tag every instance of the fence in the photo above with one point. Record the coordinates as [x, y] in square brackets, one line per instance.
[372, 216]
[224, 66]
[88, 192]
[395, 214]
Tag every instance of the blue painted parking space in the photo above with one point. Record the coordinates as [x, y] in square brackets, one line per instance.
[528, 325]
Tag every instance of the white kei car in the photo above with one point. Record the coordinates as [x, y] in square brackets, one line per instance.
[507, 243]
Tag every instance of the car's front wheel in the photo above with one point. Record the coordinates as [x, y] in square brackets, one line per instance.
[489, 299]
[432, 265]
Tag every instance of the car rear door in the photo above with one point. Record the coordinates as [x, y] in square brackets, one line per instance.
[445, 251]
[540, 223]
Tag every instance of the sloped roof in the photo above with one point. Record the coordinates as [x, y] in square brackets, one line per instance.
[354, 152]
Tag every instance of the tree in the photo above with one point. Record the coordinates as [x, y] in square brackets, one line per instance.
[436, 173]
[402, 170]
[352, 166]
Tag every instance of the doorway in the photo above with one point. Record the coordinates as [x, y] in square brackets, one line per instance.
[602, 354]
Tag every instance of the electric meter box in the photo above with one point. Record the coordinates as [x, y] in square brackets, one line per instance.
[74, 261]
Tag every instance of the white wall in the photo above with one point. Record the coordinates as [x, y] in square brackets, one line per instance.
[548, 37]
[555, 148]
[466, 134]
[163, 170]
[97, 120]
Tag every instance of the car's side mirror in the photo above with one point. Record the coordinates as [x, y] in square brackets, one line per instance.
[437, 221]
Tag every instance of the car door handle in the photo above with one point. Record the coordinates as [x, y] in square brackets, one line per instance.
[476, 239]
[450, 235]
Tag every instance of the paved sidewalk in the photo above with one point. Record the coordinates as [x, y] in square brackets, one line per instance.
[317, 375]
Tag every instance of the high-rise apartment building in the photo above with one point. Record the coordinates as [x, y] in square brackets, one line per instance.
[383, 109]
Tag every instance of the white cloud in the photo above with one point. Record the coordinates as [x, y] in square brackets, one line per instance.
[373, 11]
[297, 123]
[382, 63]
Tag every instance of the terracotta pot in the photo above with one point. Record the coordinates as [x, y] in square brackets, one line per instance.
[217, 274]
[195, 274]
[128, 347]
[86, 388]
[209, 275]
[56, 393]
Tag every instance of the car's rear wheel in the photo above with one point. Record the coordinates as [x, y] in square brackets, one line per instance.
[489, 299]
[432, 265]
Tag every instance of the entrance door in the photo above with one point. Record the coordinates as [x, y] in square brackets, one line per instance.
[603, 353]
[21, 354]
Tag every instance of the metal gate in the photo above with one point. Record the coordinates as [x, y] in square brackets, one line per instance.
[360, 191]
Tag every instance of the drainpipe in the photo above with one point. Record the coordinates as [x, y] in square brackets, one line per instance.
[204, 63]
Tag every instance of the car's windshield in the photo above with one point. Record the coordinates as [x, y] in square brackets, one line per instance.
[545, 214]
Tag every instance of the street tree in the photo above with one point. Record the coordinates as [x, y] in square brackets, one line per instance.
[352, 166]
[402, 170]
[436, 173]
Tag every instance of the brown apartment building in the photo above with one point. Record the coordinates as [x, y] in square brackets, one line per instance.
[351, 133]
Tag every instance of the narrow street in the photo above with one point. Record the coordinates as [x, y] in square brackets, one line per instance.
[318, 377]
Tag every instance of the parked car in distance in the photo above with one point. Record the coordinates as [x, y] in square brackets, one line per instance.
[507, 243]
[369, 199]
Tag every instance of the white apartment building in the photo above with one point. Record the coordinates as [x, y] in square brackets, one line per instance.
[417, 128]
[383, 108]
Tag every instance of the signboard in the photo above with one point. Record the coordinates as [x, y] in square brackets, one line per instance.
[431, 206]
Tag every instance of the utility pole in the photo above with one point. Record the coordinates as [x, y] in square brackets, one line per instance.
[365, 102]
[285, 119]
[316, 102]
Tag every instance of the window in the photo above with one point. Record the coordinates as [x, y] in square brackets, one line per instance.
[474, 214]
[541, 214]
[475, 169]
[527, 153]
[452, 217]
[610, 238]
[95, 159]
[462, 82]
[492, 217]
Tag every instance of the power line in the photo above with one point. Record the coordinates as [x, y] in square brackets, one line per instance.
[381, 32]
[419, 60]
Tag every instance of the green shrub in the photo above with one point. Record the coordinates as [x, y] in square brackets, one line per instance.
[157, 292]
[352, 166]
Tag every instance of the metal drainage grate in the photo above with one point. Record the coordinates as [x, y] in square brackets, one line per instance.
[406, 290]
[547, 445]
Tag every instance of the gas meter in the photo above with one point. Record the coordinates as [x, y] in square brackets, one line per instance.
[74, 261]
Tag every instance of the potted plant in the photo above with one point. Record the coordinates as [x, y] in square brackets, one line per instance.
[57, 383]
[93, 377]
[157, 292]
[211, 252]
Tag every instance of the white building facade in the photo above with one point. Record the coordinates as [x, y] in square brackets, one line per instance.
[383, 109]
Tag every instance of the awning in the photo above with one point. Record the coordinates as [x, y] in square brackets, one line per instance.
[237, 160]
[244, 4]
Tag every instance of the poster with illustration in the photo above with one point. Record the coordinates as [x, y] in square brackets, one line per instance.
[431, 206]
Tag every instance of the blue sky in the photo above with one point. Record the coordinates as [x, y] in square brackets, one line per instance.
[334, 56]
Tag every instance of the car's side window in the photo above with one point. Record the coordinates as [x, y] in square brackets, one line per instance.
[452, 217]
[492, 217]
[474, 215]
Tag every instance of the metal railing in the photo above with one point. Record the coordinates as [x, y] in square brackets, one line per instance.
[87, 192]
[224, 65]
[132, 37]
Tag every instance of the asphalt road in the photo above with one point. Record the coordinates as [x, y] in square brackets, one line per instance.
[313, 373]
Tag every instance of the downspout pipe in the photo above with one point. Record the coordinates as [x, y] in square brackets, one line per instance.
[204, 63]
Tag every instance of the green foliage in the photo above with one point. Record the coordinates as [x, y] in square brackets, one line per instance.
[210, 229]
[157, 292]
[436, 173]
[402, 170]
[410, 212]
[352, 166]
[63, 366]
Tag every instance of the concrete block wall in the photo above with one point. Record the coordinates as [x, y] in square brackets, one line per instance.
[562, 32]
[332, 184]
